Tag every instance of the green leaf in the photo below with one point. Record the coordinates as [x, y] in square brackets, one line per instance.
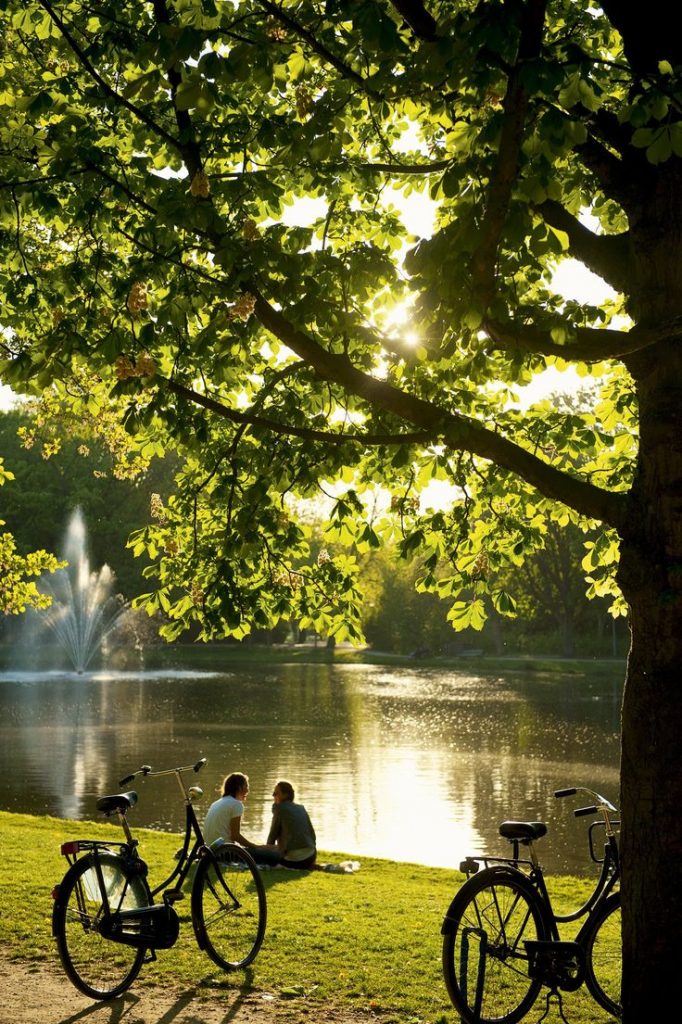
[661, 148]
[503, 603]
[467, 615]
[473, 319]
[188, 93]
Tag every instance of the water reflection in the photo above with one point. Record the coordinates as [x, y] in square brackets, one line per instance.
[416, 765]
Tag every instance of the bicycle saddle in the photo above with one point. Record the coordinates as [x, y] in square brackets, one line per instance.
[117, 802]
[523, 831]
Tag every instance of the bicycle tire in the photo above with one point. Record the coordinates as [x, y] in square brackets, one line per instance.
[485, 964]
[229, 909]
[98, 967]
[604, 956]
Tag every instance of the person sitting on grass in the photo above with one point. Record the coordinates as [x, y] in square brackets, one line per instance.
[224, 820]
[292, 829]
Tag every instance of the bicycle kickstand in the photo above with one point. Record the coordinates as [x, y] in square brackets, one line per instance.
[554, 993]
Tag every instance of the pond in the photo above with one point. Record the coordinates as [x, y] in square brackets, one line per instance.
[413, 764]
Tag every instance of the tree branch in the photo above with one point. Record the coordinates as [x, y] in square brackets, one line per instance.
[504, 175]
[455, 431]
[189, 148]
[617, 180]
[647, 33]
[607, 127]
[344, 70]
[418, 18]
[591, 345]
[432, 167]
[288, 429]
[606, 255]
[142, 115]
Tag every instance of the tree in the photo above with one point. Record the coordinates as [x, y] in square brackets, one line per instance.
[396, 617]
[18, 591]
[150, 154]
[49, 484]
[551, 580]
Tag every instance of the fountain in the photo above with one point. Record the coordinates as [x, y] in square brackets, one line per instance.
[83, 612]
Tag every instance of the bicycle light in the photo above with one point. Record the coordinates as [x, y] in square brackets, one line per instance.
[71, 848]
[195, 792]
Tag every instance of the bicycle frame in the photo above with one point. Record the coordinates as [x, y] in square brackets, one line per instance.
[192, 829]
[610, 863]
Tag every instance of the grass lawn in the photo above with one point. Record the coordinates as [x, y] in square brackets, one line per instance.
[370, 939]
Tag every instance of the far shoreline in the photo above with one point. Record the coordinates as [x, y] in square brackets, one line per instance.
[188, 655]
[217, 655]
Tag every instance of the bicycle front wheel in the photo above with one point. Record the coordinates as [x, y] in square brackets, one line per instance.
[229, 909]
[485, 964]
[98, 967]
[604, 954]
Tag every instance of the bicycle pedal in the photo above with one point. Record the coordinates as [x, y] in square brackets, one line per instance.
[173, 895]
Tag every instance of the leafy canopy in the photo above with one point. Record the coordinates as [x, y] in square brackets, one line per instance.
[156, 260]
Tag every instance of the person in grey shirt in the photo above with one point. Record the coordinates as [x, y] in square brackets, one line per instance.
[292, 829]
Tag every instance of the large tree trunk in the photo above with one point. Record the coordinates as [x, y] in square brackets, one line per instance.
[651, 579]
[651, 801]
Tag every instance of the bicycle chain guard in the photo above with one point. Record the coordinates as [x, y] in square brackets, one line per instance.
[558, 965]
[144, 928]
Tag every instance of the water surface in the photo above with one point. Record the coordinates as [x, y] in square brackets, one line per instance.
[406, 763]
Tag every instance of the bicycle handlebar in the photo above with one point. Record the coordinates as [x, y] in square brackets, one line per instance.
[599, 801]
[148, 770]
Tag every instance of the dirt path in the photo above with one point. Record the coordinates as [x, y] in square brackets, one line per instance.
[39, 993]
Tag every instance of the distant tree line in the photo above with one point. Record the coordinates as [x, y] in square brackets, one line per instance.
[49, 484]
[553, 615]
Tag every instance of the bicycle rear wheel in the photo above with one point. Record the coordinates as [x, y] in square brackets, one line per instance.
[604, 956]
[485, 964]
[229, 909]
[98, 967]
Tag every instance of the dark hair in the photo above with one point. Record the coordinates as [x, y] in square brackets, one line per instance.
[286, 789]
[234, 782]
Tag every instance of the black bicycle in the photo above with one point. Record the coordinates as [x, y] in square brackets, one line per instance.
[501, 939]
[104, 917]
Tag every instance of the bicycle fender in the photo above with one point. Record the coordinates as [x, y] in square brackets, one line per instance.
[76, 866]
[494, 873]
[57, 891]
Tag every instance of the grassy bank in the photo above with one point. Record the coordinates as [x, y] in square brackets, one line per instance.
[370, 939]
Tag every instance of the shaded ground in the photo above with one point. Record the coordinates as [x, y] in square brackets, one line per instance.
[39, 993]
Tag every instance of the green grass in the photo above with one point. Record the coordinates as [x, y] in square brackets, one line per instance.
[369, 940]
